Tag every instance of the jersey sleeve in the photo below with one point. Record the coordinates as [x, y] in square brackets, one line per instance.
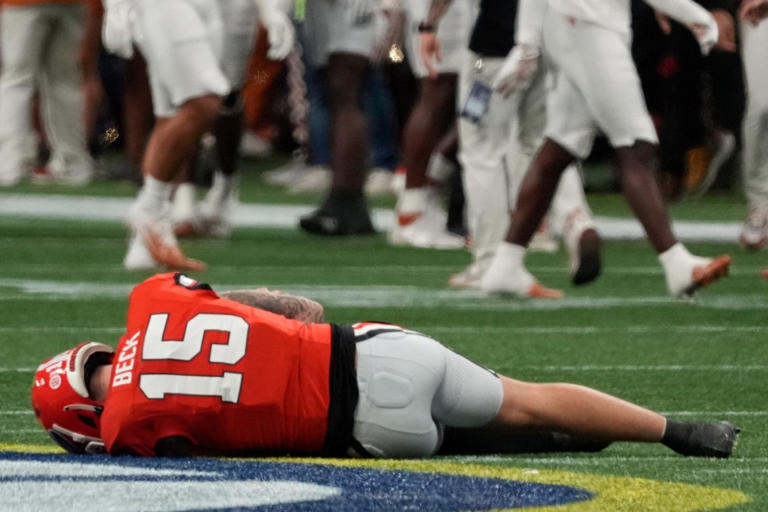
[530, 22]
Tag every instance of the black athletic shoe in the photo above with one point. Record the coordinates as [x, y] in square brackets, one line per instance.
[700, 438]
[589, 264]
[338, 219]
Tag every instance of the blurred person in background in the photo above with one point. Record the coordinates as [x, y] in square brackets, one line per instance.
[341, 37]
[40, 53]
[420, 217]
[182, 42]
[696, 100]
[213, 215]
[498, 141]
[754, 54]
[595, 88]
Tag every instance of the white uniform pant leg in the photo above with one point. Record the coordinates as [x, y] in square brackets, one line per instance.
[330, 29]
[596, 85]
[61, 93]
[754, 50]
[240, 18]
[527, 137]
[410, 386]
[453, 35]
[482, 149]
[23, 32]
[181, 41]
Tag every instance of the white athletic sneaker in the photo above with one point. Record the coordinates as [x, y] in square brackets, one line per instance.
[156, 232]
[252, 145]
[287, 174]
[138, 257]
[470, 277]
[183, 214]
[425, 230]
[316, 178]
[379, 182]
[583, 244]
[217, 209]
[420, 221]
[754, 232]
[507, 275]
[543, 240]
[686, 273]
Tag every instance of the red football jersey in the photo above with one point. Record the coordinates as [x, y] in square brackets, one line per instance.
[226, 376]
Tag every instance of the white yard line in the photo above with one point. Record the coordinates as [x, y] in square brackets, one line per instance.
[586, 330]
[51, 206]
[62, 328]
[651, 368]
[387, 296]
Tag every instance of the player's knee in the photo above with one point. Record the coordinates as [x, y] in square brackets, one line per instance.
[204, 108]
[522, 403]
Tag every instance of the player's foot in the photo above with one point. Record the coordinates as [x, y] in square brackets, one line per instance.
[379, 182]
[470, 277]
[706, 273]
[687, 273]
[138, 257]
[183, 215]
[543, 240]
[216, 211]
[506, 275]
[764, 273]
[156, 232]
[754, 232]
[339, 217]
[702, 172]
[701, 439]
[583, 244]
[421, 222]
[425, 230]
[316, 178]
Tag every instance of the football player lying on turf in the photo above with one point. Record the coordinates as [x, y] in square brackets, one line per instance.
[257, 372]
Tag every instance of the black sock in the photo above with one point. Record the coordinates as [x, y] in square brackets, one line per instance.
[677, 435]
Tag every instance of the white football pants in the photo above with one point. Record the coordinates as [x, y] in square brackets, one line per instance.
[496, 153]
[754, 53]
[39, 48]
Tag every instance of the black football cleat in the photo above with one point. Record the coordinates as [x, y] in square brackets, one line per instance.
[701, 438]
[339, 218]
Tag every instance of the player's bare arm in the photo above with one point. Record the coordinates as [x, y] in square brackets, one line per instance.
[437, 9]
[274, 301]
[430, 46]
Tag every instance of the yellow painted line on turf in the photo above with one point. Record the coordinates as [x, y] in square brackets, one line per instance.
[30, 448]
[613, 493]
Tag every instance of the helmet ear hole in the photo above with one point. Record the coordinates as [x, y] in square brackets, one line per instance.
[88, 421]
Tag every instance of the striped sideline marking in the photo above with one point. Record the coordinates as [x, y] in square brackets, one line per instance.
[114, 209]
[385, 296]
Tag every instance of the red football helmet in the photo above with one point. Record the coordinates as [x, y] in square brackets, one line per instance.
[61, 402]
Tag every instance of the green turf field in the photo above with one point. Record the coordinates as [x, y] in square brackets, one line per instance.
[62, 282]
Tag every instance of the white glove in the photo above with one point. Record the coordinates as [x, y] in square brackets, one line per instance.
[116, 28]
[280, 32]
[706, 35]
[360, 12]
[517, 71]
